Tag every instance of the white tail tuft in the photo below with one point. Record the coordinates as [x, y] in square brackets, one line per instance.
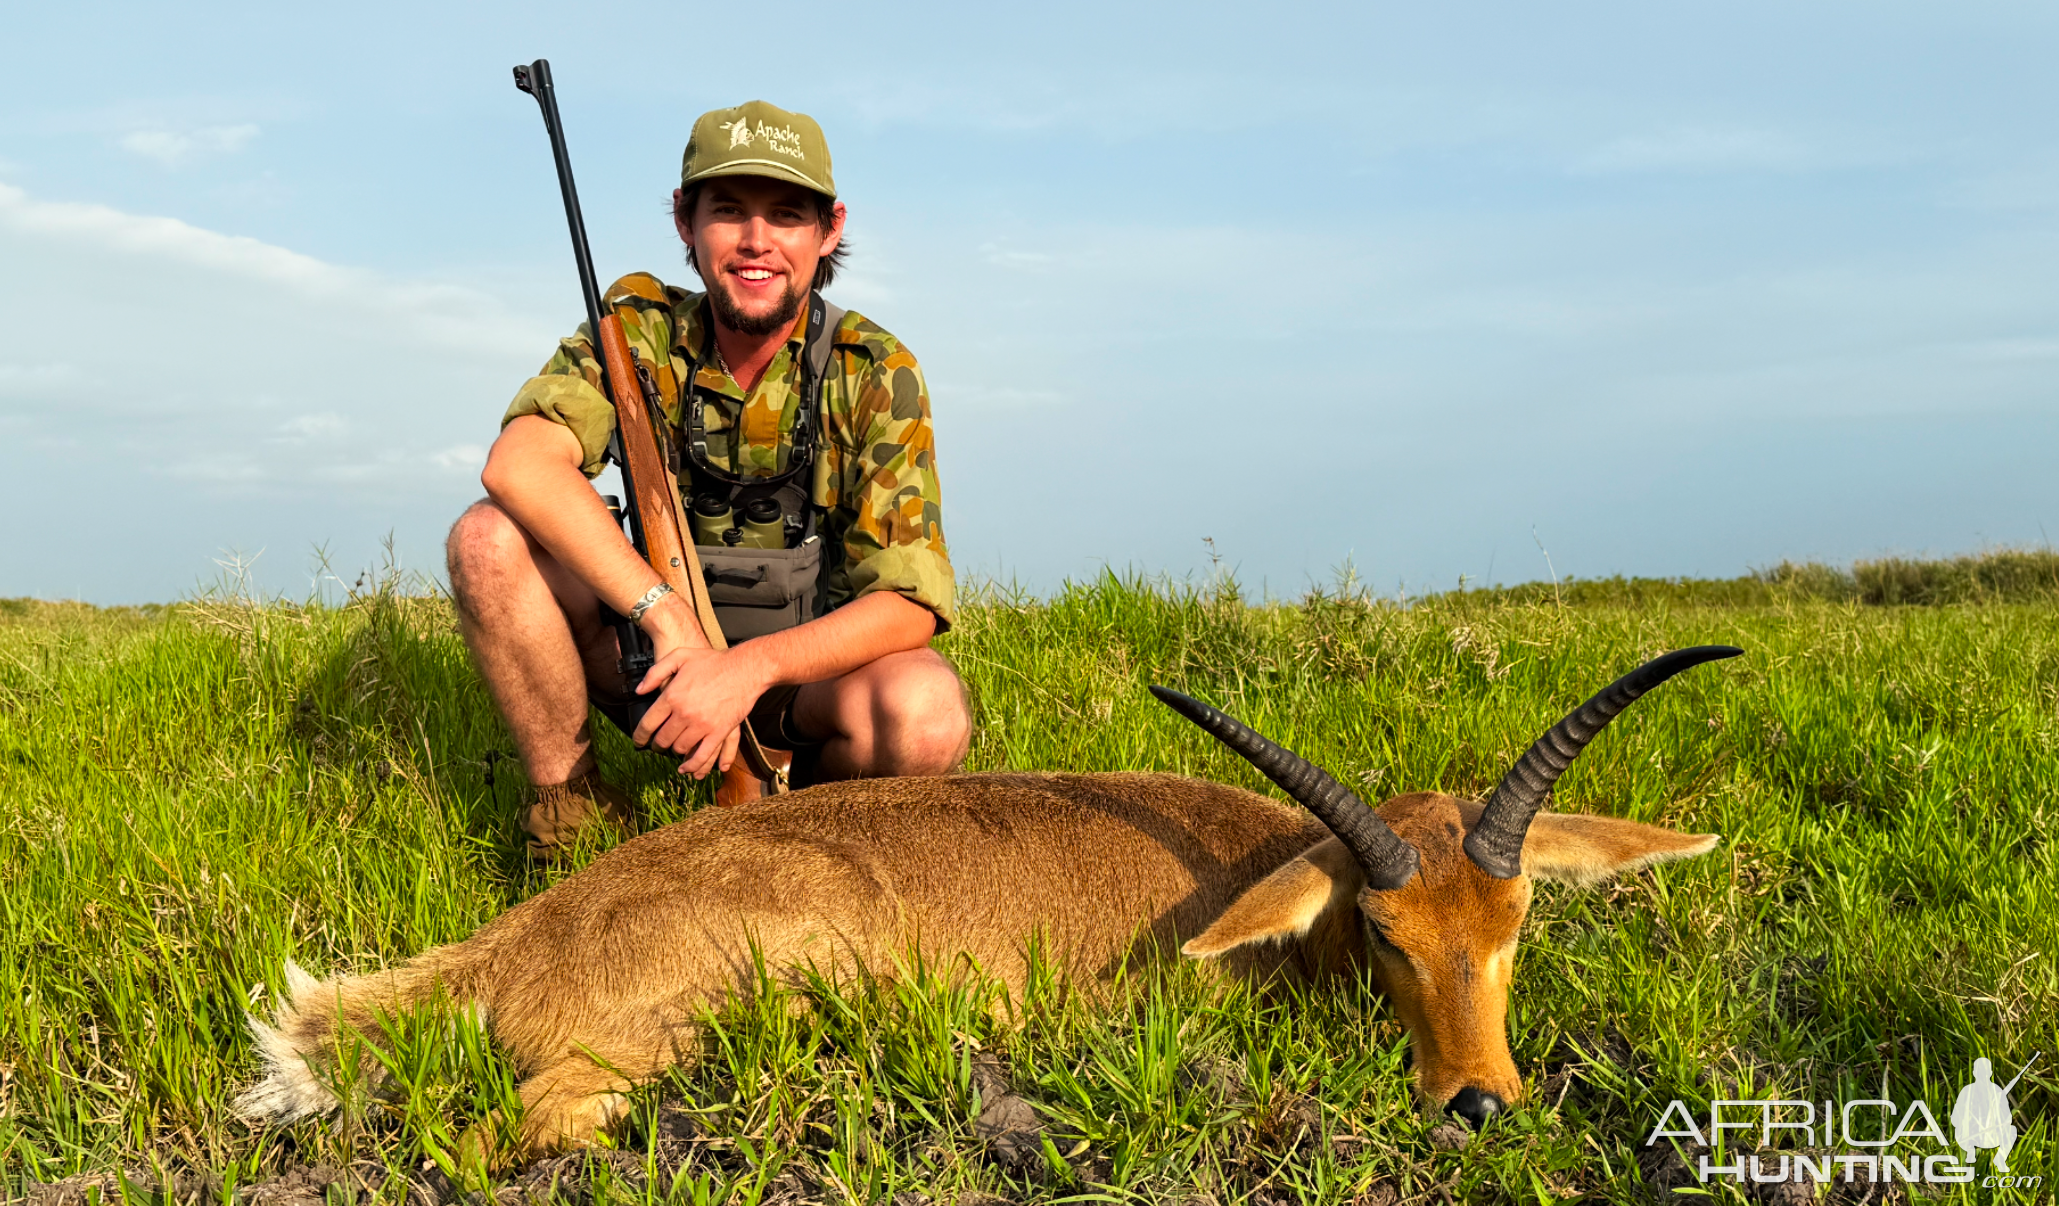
[299, 1044]
[298, 982]
[290, 1090]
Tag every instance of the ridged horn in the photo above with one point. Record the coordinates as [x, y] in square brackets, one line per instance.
[1496, 844]
[1388, 862]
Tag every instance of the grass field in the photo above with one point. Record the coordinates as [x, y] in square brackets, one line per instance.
[191, 794]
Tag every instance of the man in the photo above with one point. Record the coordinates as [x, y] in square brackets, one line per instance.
[833, 425]
[1980, 1116]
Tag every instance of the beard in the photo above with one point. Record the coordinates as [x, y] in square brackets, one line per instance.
[729, 314]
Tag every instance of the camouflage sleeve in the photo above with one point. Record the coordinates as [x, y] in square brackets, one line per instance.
[569, 388]
[885, 479]
[568, 391]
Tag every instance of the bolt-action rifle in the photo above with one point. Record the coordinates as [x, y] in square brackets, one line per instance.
[2020, 1072]
[652, 508]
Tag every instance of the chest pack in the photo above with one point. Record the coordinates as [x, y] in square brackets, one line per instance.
[756, 535]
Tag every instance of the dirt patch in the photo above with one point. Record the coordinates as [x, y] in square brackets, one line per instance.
[1588, 1061]
[1289, 1122]
[306, 1185]
[104, 1187]
[1211, 1075]
[1664, 1170]
[1007, 1124]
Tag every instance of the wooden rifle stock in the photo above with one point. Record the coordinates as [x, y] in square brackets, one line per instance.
[652, 488]
[653, 503]
[655, 495]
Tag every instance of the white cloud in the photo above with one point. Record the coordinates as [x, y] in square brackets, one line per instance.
[312, 427]
[172, 239]
[461, 457]
[26, 380]
[263, 190]
[216, 470]
[2011, 349]
[2031, 184]
[439, 314]
[1695, 149]
[219, 366]
[1021, 261]
[984, 397]
[174, 148]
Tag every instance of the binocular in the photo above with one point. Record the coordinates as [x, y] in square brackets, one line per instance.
[761, 526]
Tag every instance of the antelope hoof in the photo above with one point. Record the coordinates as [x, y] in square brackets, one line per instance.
[1474, 1106]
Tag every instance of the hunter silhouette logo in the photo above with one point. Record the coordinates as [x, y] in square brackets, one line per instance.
[1980, 1117]
[1870, 1140]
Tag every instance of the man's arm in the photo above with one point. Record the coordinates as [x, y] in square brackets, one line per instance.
[857, 634]
[533, 474]
[711, 693]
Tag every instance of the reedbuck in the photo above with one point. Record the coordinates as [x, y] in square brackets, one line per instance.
[601, 979]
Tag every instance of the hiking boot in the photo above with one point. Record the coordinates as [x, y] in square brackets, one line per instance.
[561, 810]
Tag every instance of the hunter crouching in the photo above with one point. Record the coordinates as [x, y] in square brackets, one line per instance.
[806, 462]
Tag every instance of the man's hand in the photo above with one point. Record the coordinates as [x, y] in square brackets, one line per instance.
[704, 697]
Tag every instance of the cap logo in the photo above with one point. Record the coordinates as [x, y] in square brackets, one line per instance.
[780, 139]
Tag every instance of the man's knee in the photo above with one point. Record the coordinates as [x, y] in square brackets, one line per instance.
[482, 541]
[923, 711]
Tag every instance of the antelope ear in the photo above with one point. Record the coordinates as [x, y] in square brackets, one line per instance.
[1585, 850]
[1285, 903]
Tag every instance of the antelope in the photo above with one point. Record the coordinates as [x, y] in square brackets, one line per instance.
[601, 980]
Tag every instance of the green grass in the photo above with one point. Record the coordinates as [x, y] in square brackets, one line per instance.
[189, 795]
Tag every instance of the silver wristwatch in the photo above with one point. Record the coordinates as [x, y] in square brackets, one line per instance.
[649, 600]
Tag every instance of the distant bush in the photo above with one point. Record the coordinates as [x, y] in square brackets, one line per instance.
[2000, 576]
[1994, 576]
[1619, 591]
[60, 612]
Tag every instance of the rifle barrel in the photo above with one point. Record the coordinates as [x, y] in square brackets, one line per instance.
[2020, 1071]
[535, 79]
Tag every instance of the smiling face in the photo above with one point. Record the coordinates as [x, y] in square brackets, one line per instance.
[756, 242]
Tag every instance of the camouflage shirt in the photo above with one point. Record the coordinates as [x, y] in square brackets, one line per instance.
[875, 477]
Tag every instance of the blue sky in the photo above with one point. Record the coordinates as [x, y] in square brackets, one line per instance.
[1681, 291]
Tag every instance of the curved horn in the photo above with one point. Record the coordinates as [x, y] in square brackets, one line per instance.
[1496, 843]
[1388, 861]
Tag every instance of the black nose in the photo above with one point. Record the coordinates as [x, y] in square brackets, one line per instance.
[1474, 1106]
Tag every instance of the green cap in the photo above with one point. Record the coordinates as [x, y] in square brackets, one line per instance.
[757, 139]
